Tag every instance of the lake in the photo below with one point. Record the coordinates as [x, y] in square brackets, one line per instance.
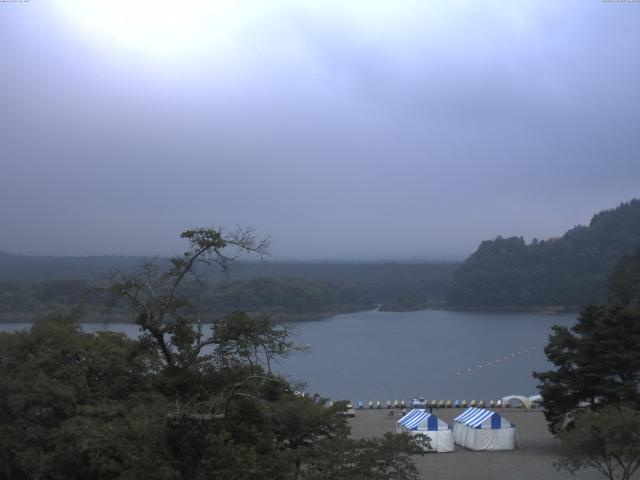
[432, 353]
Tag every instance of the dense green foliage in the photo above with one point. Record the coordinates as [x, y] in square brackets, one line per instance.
[99, 406]
[624, 284]
[24, 302]
[366, 459]
[598, 359]
[568, 271]
[74, 405]
[607, 440]
[285, 298]
[179, 402]
[289, 291]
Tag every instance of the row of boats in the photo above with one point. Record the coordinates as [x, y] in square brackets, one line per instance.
[422, 403]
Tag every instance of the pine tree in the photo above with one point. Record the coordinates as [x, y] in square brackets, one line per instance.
[598, 359]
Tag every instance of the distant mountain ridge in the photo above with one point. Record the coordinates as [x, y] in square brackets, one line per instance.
[26, 268]
[569, 271]
[31, 287]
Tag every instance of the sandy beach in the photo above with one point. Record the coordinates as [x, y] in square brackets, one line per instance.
[532, 461]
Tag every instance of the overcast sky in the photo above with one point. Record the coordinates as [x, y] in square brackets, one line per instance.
[343, 129]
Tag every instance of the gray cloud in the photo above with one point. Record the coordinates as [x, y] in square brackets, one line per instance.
[342, 131]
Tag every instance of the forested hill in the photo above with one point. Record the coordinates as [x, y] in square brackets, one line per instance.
[31, 287]
[568, 271]
[25, 268]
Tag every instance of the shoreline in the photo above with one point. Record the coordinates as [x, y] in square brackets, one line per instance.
[284, 317]
[541, 309]
[93, 318]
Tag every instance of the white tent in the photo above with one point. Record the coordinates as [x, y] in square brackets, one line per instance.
[419, 421]
[525, 401]
[480, 429]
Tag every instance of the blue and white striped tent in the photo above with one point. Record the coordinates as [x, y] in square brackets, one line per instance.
[419, 421]
[481, 429]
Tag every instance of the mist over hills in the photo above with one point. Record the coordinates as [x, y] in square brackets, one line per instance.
[28, 268]
[567, 271]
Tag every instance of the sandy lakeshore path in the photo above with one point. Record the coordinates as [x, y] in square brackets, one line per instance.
[533, 461]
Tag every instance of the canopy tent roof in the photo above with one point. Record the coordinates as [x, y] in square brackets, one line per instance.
[423, 420]
[481, 418]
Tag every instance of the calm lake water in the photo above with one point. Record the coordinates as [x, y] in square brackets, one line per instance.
[436, 354]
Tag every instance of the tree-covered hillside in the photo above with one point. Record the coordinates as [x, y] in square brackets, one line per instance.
[568, 271]
[286, 298]
[283, 298]
[31, 287]
[624, 284]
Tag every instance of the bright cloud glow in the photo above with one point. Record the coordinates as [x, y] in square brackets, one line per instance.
[163, 29]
